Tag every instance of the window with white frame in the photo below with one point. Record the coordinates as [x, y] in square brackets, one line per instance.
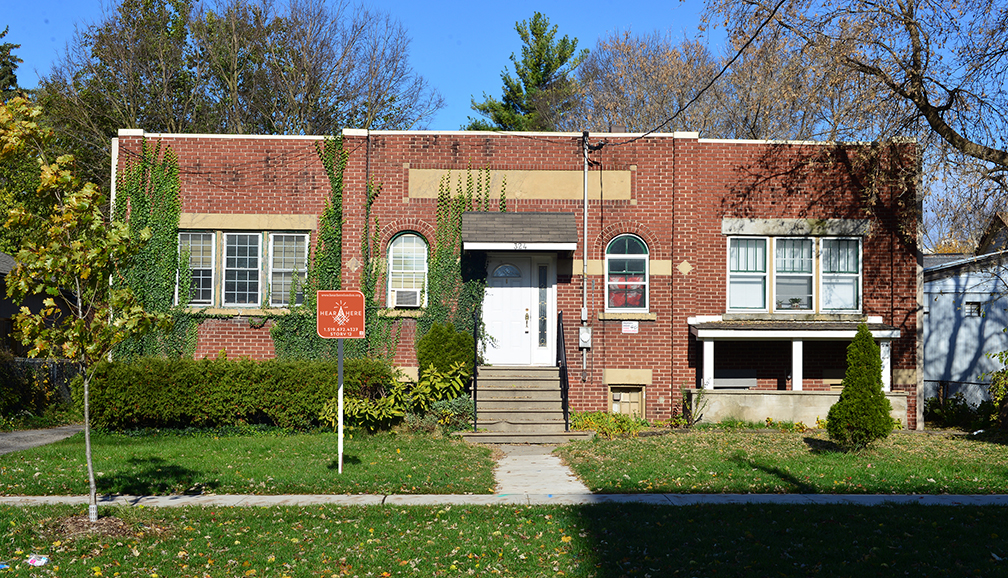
[407, 262]
[241, 268]
[841, 274]
[747, 273]
[200, 248]
[288, 262]
[626, 274]
[808, 274]
[793, 273]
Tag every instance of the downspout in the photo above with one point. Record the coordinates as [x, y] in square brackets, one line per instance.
[584, 231]
[112, 205]
[367, 192]
[584, 249]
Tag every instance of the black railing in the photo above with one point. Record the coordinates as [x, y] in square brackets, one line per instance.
[562, 364]
[476, 324]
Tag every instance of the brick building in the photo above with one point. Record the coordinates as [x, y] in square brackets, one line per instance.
[739, 267]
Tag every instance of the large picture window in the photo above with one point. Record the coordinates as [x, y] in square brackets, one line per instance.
[200, 248]
[627, 274]
[747, 273]
[407, 271]
[241, 268]
[808, 274]
[288, 261]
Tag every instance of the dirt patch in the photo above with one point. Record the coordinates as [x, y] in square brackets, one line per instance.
[79, 526]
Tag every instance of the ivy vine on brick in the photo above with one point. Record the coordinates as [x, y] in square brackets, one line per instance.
[148, 189]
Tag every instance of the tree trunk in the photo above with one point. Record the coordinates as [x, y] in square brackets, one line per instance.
[92, 489]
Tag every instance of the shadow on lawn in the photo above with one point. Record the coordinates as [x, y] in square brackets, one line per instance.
[820, 446]
[794, 485]
[347, 459]
[154, 476]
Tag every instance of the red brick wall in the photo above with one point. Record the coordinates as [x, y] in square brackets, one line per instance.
[681, 188]
[236, 337]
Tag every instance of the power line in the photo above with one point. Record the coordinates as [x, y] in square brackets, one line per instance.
[724, 69]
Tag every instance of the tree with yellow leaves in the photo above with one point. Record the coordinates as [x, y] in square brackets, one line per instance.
[71, 260]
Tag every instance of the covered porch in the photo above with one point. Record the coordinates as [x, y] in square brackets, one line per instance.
[785, 369]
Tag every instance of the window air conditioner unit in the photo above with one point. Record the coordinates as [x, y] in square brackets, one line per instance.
[406, 297]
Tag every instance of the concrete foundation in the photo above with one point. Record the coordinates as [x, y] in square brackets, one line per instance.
[794, 406]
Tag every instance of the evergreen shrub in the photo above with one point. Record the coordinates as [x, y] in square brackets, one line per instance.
[443, 346]
[179, 393]
[861, 416]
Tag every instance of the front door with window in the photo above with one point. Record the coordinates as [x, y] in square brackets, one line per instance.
[519, 309]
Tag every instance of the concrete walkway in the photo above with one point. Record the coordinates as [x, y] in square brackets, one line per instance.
[16, 441]
[526, 475]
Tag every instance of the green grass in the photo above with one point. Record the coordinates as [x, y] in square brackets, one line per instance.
[719, 461]
[251, 464]
[600, 541]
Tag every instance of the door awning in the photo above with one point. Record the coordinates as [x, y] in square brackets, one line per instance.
[482, 231]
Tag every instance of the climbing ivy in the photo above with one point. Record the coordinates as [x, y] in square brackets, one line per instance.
[294, 335]
[148, 188]
[455, 285]
[381, 332]
[325, 270]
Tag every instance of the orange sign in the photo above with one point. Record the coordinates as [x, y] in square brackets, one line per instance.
[340, 314]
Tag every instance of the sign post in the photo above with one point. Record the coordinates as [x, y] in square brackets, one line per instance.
[339, 315]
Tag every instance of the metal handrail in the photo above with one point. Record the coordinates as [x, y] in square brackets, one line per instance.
[476, 323]
[562, 364]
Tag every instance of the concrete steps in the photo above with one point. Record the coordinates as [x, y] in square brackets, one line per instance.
[520, 404]
[544, 438]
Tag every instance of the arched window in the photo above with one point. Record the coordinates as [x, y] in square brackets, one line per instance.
[627, 274]
[407, 273]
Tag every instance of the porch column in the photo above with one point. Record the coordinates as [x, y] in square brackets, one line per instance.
[797, 362]
[885, 351]
[708, 365]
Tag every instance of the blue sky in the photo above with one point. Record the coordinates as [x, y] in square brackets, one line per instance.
[459, 47]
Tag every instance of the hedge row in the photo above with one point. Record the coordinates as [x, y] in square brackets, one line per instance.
[219, 392]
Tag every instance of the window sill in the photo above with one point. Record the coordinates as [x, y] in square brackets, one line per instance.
[412, 313]
[795, 315]
[613, 316]
[253, 311]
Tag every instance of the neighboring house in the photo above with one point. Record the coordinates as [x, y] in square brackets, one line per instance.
[8, 309]
[965, 316]
[740, 267]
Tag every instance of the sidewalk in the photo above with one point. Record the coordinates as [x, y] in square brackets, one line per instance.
[526, 475]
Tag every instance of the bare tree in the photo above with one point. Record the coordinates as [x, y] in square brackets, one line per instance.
[133, 71]
[935, 69]
[637, 82]
[237, 66]
[233, 38]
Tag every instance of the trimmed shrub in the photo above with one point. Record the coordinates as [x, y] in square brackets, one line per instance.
[442, 346]
[861, 416]
[156, 392]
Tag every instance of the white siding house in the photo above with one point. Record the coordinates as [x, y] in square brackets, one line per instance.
[965, 316]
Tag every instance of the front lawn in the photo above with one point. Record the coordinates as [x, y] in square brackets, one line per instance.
[170, 463]
[719, 461]
[600, 541]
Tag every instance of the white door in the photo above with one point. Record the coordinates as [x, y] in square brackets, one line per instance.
[519, 310]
